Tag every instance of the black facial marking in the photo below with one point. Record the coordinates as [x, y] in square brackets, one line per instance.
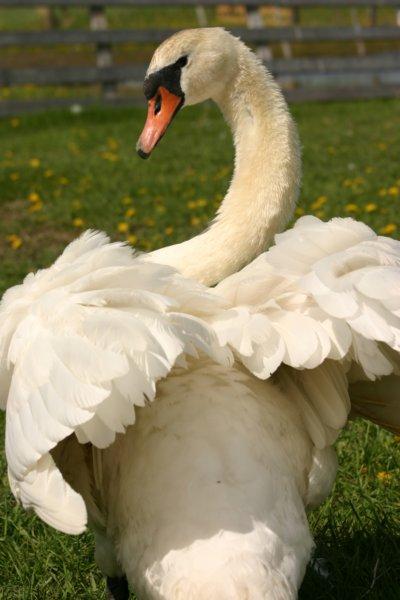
[157, 106]
[168, 77]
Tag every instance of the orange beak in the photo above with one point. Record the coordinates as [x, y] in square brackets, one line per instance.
[161, 110]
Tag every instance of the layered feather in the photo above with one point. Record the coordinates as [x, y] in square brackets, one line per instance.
[324, 292]
[82, 343]
[85, 341]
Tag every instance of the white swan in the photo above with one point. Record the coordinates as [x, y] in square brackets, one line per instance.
[204, 495]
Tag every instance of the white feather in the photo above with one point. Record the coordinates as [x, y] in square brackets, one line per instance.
[108, 325]
[82, 343]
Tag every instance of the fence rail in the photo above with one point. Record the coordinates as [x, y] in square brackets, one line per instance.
[306, 77]
[255, 36]
[378, 64]
[194, 3]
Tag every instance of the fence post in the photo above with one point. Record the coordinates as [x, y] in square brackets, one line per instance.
[98, 22]
[201, 15]
[279, 21]
[373, 16]
[254, 21]
[360, 44]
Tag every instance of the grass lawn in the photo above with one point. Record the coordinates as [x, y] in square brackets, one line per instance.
[61, 173]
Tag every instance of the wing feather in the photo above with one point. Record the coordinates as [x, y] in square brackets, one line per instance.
[85, 341]
[331, 292]
[81, 344]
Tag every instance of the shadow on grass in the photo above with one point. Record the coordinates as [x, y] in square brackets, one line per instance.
[354, 565]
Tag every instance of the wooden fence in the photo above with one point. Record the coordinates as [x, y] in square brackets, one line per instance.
[362, 75]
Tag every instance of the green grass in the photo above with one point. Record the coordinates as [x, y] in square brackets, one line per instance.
[84, 167]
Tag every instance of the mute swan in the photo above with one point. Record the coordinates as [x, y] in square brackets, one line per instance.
[196, 488]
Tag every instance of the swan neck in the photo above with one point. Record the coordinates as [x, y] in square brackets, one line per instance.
[264, 188]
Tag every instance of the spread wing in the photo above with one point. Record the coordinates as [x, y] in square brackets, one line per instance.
[325, 302]
[85, 341]
[82, 343]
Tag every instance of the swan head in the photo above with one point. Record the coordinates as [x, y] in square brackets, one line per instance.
[191, 66]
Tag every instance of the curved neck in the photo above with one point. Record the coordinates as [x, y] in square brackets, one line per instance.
[264, 188]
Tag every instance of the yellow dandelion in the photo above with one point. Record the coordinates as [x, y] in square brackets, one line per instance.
[130, 212]
[201, 202]
[78, 222]
[382, 146]
[161, 209]
[34, 163]
[191, 205]
[74, 148]
[347, 183]
[14, 240]
[126, 200]
[34, 197]
[393, 190]
[14, 176]
[112, 144]
[224, 171]
[320, 201]
[123, 227]
[320, 214]
[169, 230]
[370, 207]
[194, 221]
[382, 192]
[369, 169]
[76, 204]
[149, 222]
[15, 122]
[132, 239]
[299, 211]
[48, 173]
[384, 476]
[351, 208]
[388, 229]
[36, 206]
[110, 156]
[146, 244]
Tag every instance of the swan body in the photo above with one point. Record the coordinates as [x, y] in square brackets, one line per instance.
[191, 427]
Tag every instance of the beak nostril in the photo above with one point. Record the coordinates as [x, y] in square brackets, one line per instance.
[157, 105]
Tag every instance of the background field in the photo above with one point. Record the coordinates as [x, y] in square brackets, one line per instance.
[60, 19]
[63, 172]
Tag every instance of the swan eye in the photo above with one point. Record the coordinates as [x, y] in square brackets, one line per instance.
[182, 61]
[157, 105]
